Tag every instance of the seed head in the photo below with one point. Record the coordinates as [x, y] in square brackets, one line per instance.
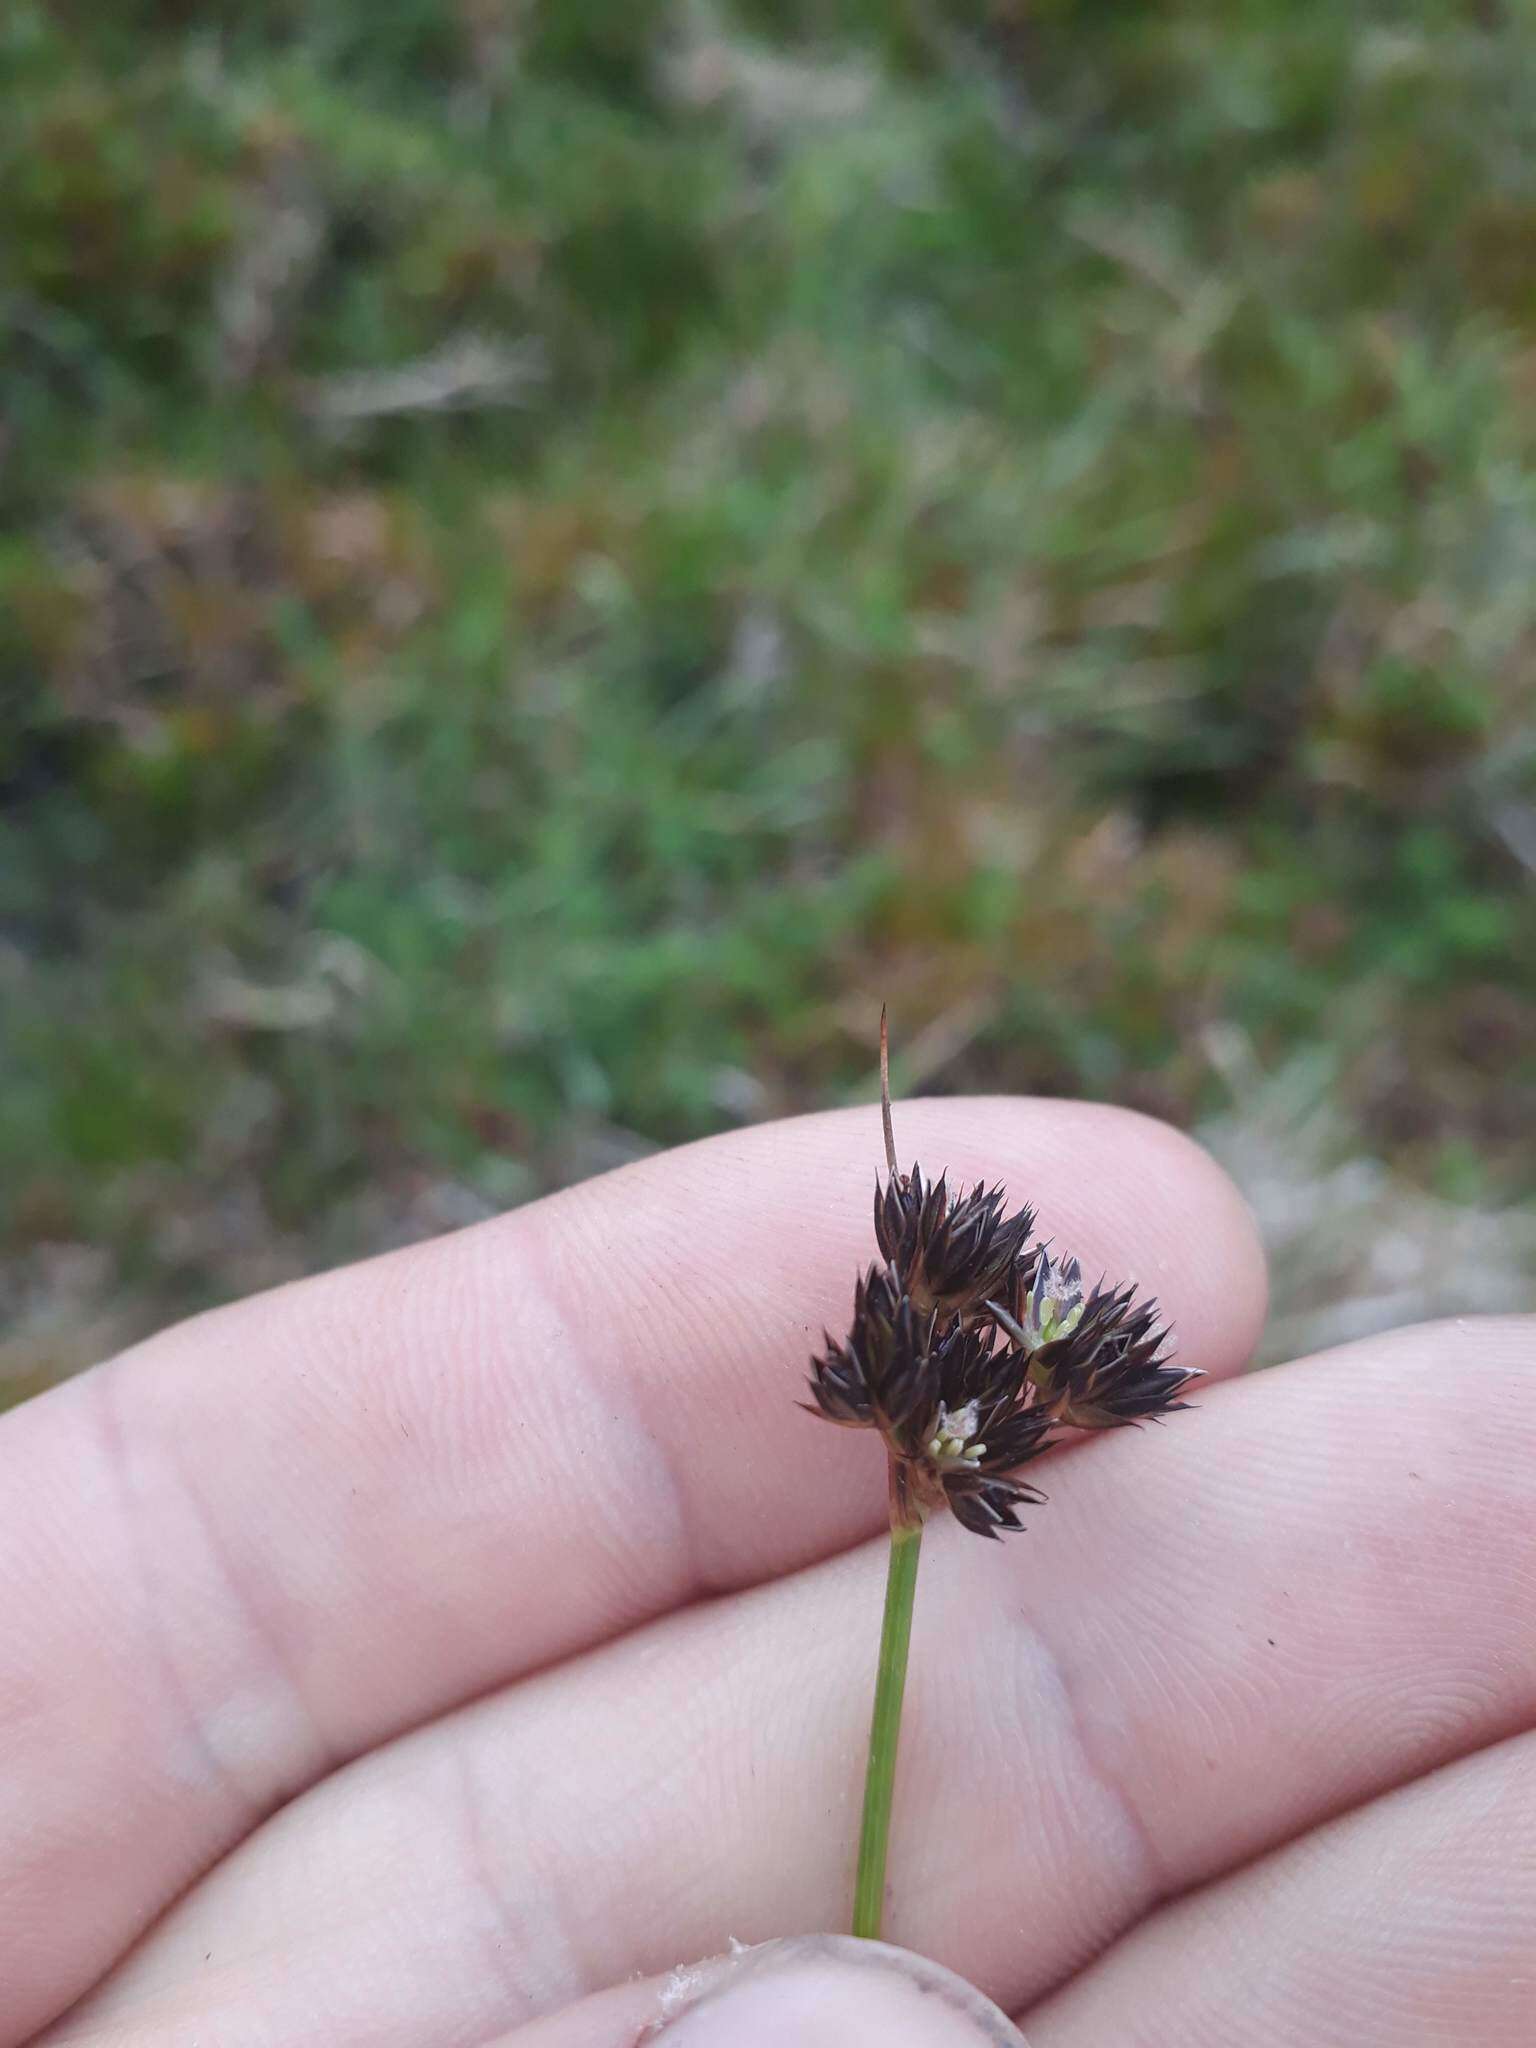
[956, 1410]
[950, 1251]
[1110, 1367]
[971, 1349]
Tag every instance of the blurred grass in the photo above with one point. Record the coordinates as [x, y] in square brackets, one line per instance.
[552, 556]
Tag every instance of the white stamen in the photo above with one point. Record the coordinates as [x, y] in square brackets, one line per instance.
[951, 1443]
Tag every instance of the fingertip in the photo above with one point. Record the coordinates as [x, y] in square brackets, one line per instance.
[809, 1991]
[1208, 1241]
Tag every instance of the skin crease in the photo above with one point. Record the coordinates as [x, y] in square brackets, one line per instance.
[330, 1618]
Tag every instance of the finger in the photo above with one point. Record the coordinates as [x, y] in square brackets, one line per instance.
[812, 1991]
[275, 1536]
[815, 1991]
[1319, 1585]
[1410, 1924]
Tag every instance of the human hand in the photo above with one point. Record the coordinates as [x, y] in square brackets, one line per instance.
[410, 1657]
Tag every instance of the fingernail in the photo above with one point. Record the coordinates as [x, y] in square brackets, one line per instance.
[830, 1991]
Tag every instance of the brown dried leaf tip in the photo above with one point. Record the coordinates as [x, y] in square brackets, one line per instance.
[972, 1349]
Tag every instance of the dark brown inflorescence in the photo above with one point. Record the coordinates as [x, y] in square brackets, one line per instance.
[951, 1253]
[972, 1349]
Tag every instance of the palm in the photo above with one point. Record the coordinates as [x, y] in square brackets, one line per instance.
[475, 1629]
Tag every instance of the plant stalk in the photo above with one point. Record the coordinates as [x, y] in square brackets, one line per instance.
[885, 1727]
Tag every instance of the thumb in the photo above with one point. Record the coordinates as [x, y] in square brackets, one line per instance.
[812, 1991]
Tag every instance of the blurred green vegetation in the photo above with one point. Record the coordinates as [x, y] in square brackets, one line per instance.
[552, 556]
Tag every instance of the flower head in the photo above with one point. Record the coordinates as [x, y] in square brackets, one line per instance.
[1110, 1367]
[951, 1251]
[971, 1349]
[954, 1408]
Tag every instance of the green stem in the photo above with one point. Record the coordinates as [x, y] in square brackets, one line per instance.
[885, 1729]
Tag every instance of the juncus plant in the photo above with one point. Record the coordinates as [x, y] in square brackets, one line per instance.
[972, 1350]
